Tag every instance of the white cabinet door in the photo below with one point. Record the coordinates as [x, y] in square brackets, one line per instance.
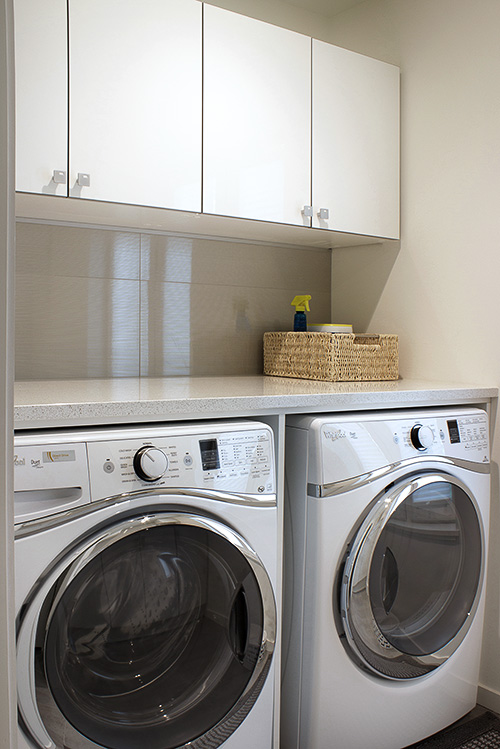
[135, 101]
[355, 142]
[41, 96]
[256, 119]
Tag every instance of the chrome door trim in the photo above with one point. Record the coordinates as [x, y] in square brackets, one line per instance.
[356, 574]
[37, 525]
[319, 491]
[28, 623]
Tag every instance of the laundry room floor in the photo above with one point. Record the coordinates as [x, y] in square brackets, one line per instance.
[479, 729]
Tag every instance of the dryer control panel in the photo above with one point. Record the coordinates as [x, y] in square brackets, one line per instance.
[457, 436]
[342, 447]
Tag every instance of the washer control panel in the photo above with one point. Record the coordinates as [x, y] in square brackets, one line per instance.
[60, 470]
[239, 461]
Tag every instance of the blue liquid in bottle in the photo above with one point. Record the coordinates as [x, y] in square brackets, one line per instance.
[300, 322]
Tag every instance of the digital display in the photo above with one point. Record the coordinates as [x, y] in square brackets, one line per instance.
[209, 455]
[453, 431]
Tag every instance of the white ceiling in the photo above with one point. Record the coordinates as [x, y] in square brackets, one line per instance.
[325, 7]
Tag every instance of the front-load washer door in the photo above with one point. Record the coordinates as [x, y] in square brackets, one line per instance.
[157, 635]
[412, 577]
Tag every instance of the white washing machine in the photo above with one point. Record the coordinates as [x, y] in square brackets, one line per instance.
[146, 571]
[386, 532]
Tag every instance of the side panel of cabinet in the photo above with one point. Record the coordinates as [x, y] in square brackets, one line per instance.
[257, 83]
[135, 101]
[355, 142]
[41, 95]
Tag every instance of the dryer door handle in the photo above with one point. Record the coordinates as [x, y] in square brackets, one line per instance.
[390, 580]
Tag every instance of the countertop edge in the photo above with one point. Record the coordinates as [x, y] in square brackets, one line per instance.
[36, 415]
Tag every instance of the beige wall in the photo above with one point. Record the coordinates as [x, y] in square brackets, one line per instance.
[105, 303]
[441, 292]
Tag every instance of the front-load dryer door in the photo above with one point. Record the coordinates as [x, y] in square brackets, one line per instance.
[412, 577]
[157, 634]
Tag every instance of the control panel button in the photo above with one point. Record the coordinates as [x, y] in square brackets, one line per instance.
[150, 463]
[108, 466]
[421, 437]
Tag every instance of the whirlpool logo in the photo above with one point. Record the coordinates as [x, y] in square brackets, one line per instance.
[335, 434]
[19, 461]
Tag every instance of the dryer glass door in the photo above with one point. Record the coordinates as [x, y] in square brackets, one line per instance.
[412, 577]
[158, 635]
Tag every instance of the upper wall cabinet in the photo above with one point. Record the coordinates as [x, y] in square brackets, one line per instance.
[294, 131]
[134, 100]
[256, 119]
[355, 144]
[41, 71]
[262, 121]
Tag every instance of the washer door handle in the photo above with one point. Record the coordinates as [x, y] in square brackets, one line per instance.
[238, 624]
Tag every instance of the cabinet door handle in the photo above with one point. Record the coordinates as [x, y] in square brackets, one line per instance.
[83, 180]
[59, 177]
[307, 211]
[324, 214]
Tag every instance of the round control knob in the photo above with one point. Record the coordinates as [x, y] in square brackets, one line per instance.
[421, 437]
[150, 463]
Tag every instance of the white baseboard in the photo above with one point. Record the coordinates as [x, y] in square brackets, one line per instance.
[488, 698]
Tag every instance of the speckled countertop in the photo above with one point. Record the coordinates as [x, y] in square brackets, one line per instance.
[73, 403]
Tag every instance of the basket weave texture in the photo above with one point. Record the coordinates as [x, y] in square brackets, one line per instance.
[334, 357]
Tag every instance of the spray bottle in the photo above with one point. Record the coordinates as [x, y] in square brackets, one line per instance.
[301, 304]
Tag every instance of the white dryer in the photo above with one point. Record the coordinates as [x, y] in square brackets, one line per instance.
[146, 572]
[386, 522]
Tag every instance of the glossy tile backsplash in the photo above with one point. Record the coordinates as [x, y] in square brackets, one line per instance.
[105, 303]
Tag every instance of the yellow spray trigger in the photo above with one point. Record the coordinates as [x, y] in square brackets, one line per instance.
[301, 303]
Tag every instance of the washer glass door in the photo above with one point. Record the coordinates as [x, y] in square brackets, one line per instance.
[158, 635]
[412, 577]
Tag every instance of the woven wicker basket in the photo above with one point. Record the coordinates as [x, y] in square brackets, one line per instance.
[335, 357]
